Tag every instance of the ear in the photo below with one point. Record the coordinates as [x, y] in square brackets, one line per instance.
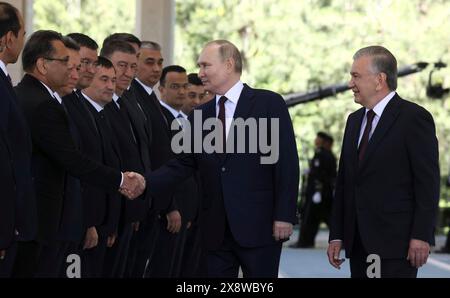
[381, 80]
[41, 67]
[230, 65]
[9, 39]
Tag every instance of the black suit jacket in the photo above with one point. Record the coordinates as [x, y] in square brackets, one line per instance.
[186, 196]
[236, 187]
[111, 157]
[17, 202]
[160, 151]
[392, 194]
[131, 156]
[55, 155]
[94, 198]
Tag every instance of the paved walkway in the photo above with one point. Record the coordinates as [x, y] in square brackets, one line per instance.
[313, 263]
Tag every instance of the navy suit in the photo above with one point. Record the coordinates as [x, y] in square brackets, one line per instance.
[391, 195]
[241, 198]
[17, 202]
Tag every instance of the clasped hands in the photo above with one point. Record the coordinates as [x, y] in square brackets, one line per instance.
[133, 185]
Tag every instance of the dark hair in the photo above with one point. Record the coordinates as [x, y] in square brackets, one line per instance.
[167, 69]
[116, 46]
[70, 43]
[382, 61]
[9, 19]
[194, 79]
[84, 41]
[326, 137]
[39, 45]
[126, 37]
[104, 62]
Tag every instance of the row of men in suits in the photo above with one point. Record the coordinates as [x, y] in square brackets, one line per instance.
[90, 122]
[86, 147]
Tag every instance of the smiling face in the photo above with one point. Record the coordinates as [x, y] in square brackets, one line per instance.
[217, 75]
[103, 85]
[364, 81]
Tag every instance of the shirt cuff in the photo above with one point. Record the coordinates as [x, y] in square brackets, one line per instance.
[335, 240]
[121, 180]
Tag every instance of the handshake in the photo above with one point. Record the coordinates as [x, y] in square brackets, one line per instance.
[133, 185]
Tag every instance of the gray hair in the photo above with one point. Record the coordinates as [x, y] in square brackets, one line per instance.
[382, 61]
[228, 50]
[151, 45]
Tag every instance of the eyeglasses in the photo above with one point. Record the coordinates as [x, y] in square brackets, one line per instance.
[86, 63]
[63, 60]
[176, 87]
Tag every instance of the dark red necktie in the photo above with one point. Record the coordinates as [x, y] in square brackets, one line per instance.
[365, 138]
[221, 117]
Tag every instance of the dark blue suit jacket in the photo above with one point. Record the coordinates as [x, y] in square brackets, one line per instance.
[392, 194]
[237, 188]
[17, 202]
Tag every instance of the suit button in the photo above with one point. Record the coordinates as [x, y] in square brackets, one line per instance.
[223, 169]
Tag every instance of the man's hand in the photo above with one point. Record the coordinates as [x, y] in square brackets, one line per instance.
[418, 252]
[111, 240]
[282, 230]
[173, 221]
[2, 254]
[91, 238]
[133, 185]
[334, 249]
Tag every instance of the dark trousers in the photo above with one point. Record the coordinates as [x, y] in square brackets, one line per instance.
[92, 260]
[146, 243]
[6, 265]
[26, 259]
[192, 257]
[132, 253]
[390, 268]
[52, 259]
[310, 221]
[161, 265]
[256, 262]
[116, 256]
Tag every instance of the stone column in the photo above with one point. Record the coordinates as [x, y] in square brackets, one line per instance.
[155, 21]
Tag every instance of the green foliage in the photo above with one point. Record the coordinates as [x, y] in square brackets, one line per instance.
[294, 46]
[96, 18]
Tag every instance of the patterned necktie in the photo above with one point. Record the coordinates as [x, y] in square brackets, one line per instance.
[365, 138]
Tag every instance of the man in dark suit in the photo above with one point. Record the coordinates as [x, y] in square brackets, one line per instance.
[150, 64]
[128, 122]
[102, 211]
[55, 153]
[17, 203]
[173, 221]
[249, 202]
[88, 55]
[387, 188]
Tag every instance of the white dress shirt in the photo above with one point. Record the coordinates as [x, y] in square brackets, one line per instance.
[230, 105]
[378, 110]
[3, 67]
[96, 106]
[174, 112]
[148, 89]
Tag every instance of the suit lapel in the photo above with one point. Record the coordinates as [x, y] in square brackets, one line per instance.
[354, 133]
[386, 121]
